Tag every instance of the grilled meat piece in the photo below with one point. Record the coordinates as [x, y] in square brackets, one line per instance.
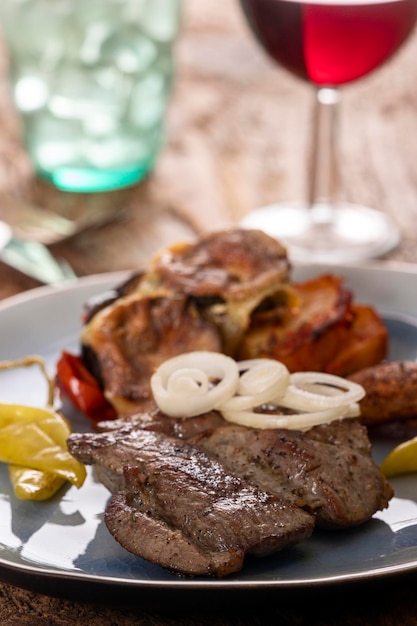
[228, 292]
[156, 541]
[311, 332]
[327, 470]
[96, 303]
[192, 297]
[366, 344]
[322, 331]
[229, 273]
[125, 342]
[182, 428]
[231, 264]
[181, 509]
[391, 391]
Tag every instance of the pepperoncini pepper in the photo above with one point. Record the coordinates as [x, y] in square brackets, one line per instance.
[31, 484]
[33, 443]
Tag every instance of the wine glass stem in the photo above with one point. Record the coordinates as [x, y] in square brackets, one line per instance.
[324, 174]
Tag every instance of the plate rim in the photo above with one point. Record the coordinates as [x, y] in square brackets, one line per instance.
[24, 573]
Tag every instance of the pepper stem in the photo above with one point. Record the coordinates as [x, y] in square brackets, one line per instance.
[28, 361]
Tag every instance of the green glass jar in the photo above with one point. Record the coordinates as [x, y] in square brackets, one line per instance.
[91, 81]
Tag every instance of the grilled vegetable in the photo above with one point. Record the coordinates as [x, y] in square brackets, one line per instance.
[75, 382]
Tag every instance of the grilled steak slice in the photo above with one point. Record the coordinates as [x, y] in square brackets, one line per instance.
[203, 519]
[182, 428]
[327, 470]
[157, 542]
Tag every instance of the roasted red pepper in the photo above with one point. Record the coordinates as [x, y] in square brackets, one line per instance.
[79, 385]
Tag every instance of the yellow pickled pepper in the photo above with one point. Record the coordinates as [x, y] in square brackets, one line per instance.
[33, 443]
[35, 439]
[32, 484]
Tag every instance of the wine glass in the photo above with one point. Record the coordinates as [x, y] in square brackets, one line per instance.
[328, 43]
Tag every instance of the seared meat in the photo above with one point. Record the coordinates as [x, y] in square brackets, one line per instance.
[156, 541]
[322, 331]
[181, 509]
[366, 344]
[232, 264]
[96, 303]
[183, 428]
[192, 297]
[301, 339]
[327, 470]
[229, 273]
[391, 391]
[125, 342]
[228, 292]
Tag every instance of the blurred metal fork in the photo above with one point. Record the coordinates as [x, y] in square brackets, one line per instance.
[33, 259]
[33, 223]
[26, 230]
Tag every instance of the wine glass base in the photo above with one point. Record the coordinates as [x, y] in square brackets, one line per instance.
[353, 234]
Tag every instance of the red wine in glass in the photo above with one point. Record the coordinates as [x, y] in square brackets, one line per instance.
[329, 43]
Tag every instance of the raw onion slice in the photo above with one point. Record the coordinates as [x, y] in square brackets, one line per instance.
[315, 391]
[295, 421]
[193, 383]
[259, 382]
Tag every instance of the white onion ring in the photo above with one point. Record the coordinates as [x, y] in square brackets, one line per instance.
[296, 421]
[262, 380]
[182, 385]
[194, 383]
[307, 392]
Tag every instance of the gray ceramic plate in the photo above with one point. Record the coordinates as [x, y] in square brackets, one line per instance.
[65, 541]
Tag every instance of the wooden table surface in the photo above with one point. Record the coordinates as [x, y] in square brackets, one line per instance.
[237, 138]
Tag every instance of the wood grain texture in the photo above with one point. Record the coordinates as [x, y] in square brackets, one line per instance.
[237, 137]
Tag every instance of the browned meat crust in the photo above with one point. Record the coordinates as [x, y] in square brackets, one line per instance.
[324, 330]
[302, 338]
[327, 470]
[157, 542]
[182, 428]
[232, 264]
[391, 391]
[134, 335]
[192, 297]
[181, 509]
[229, 273]
[228, 292]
